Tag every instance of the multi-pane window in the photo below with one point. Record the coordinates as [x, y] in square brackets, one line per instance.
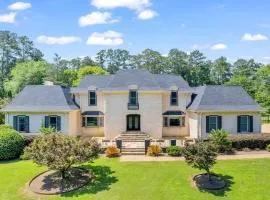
[53, 122]
[244, 125]
[173, 121]
[174, 98]
[92, 96]
[93, 121]
[133, 97]
[213, 123]
[21, 124]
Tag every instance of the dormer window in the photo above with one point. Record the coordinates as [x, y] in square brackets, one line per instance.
[92, 98]
[174, 98]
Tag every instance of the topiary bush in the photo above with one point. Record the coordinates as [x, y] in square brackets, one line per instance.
[11, 143]
[174, 151]
[112, 152]
[154, 150]
[251, 141]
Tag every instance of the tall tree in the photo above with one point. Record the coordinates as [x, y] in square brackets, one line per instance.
[87, 70]
[151, 60]
[14, 48]
[199, 69]
[26, 73]
[221, 71]
[178, 64]
[114, 59]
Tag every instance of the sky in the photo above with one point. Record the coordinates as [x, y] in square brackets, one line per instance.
[77, 28]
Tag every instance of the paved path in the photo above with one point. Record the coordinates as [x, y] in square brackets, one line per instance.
[236, 156]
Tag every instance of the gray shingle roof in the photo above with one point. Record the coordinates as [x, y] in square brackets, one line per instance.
[144, 79]
[42, 98]
[223, 98]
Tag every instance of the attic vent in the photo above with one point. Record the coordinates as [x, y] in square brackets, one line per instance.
[48, 83]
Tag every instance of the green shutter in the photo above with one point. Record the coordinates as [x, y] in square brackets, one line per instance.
[83, 121]
[238, 124]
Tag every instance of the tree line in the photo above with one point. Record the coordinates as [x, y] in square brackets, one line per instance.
[21, 63]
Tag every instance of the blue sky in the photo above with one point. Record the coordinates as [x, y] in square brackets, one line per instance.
[81, 28]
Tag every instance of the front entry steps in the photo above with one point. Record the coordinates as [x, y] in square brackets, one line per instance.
[133, 143]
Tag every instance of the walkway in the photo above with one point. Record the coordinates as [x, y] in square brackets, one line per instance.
[238, 155]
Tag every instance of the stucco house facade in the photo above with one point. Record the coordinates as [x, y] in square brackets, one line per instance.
[134, 101]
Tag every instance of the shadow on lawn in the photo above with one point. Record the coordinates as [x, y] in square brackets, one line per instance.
[10, 161]
[102, 181]
[221, 192]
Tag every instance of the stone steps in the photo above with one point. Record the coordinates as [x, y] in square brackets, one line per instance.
[133, 151]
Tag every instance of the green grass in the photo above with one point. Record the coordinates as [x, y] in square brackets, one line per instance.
[249, 179]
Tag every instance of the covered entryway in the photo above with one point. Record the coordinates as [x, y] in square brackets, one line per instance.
[133, 123]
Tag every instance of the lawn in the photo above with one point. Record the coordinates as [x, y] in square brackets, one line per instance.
[249, 179]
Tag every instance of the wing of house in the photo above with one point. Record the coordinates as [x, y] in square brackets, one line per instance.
[162, 106]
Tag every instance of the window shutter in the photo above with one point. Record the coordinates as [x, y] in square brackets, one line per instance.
[27, 124]
[238, 124]
[58, 123]
[83, 121]
[219, 122]
[250, 118]
[15, 123]
[207, 124]
[46, 122]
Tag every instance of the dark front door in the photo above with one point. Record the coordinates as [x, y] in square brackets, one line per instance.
[133, 123]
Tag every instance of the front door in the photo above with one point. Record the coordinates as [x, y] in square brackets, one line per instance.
[133, 123]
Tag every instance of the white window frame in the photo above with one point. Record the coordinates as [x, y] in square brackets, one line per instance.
[89, 98]
[129, 97]
[211, 123]
[181, 117]
[98, 121]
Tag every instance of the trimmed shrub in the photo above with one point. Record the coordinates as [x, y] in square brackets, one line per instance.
[47, 131]
[268, 147]
[11, 143]
[220, 139]
[112, 152]
[174, 151]
[154, 150]
[251, 141]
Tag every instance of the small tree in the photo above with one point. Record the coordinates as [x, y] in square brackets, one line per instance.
[220, 139]
[201, 155]
[60, 152]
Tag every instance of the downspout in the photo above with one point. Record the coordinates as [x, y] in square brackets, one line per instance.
[200, 126]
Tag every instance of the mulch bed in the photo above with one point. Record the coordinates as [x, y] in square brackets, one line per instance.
[50, 182]
[215, 183]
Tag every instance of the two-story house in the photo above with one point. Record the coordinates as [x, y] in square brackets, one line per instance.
[161, 106]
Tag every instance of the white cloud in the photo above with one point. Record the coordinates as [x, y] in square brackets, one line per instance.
[97, 18]
[107, 38]
[266, 58]
[131, 4]
[19, 6]
[219, 46]
[255, 37]
[8, 18]
[58, 40]
[147, 14]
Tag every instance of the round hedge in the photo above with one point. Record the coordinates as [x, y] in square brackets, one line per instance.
[11, 144]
